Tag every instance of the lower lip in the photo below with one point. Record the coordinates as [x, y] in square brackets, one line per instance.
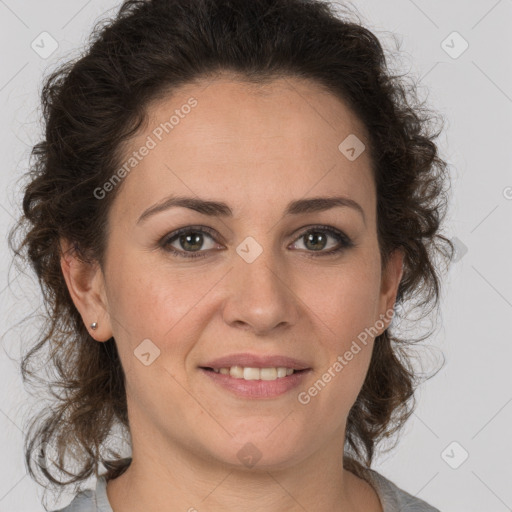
[257, 388]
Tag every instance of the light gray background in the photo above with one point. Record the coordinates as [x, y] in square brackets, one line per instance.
[469, 401]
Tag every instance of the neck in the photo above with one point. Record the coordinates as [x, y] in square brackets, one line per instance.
[159, 481]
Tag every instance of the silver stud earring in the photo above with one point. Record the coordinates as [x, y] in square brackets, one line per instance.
[94, 325]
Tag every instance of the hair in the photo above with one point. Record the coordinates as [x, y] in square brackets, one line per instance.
[93, 104]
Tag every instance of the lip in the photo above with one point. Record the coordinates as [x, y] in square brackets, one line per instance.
[252, 389]
[256, 361]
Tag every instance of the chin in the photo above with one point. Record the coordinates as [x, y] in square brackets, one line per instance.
[262, 449]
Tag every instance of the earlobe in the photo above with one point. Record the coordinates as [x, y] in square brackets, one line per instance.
[86, 287]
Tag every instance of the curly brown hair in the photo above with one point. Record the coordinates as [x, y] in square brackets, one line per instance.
[92, 105]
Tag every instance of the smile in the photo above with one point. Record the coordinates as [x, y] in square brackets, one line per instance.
[248, 382]
[248, 373]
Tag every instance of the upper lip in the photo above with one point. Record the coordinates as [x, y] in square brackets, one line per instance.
[256, 361]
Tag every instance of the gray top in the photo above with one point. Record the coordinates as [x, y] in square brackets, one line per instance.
[393, 499]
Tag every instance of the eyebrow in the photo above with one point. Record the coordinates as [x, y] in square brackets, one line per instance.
[220, 209]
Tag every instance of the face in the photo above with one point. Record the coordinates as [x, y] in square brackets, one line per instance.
[253, 276]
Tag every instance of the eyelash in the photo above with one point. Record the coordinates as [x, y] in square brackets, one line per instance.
[343, 239]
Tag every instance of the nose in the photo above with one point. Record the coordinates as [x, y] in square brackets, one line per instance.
[260, 295]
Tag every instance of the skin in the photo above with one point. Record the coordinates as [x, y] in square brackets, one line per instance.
[255, 148]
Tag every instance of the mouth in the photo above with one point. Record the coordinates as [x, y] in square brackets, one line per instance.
[249, 373]
[255, 361]
[256, 383]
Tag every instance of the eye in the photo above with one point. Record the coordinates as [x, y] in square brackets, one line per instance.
[317, 236]
[191, 240]
[189, 237]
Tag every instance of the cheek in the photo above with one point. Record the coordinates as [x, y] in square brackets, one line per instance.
[148, 301]
[345, 316]
[346, 305]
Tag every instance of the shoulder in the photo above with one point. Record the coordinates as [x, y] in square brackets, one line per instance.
[393, 498]
[90, 500]
[84, 501]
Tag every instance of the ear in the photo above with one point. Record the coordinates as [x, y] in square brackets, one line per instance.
[86, 286]
[391, 277]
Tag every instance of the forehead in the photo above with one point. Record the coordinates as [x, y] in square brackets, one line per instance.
[226, 137]
[285, 108]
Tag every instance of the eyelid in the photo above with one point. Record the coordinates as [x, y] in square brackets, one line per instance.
[166, 239]
[344, 241]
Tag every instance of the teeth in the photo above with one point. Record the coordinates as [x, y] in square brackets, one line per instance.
[248, 373]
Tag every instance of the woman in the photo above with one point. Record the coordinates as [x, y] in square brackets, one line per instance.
[231, 202]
